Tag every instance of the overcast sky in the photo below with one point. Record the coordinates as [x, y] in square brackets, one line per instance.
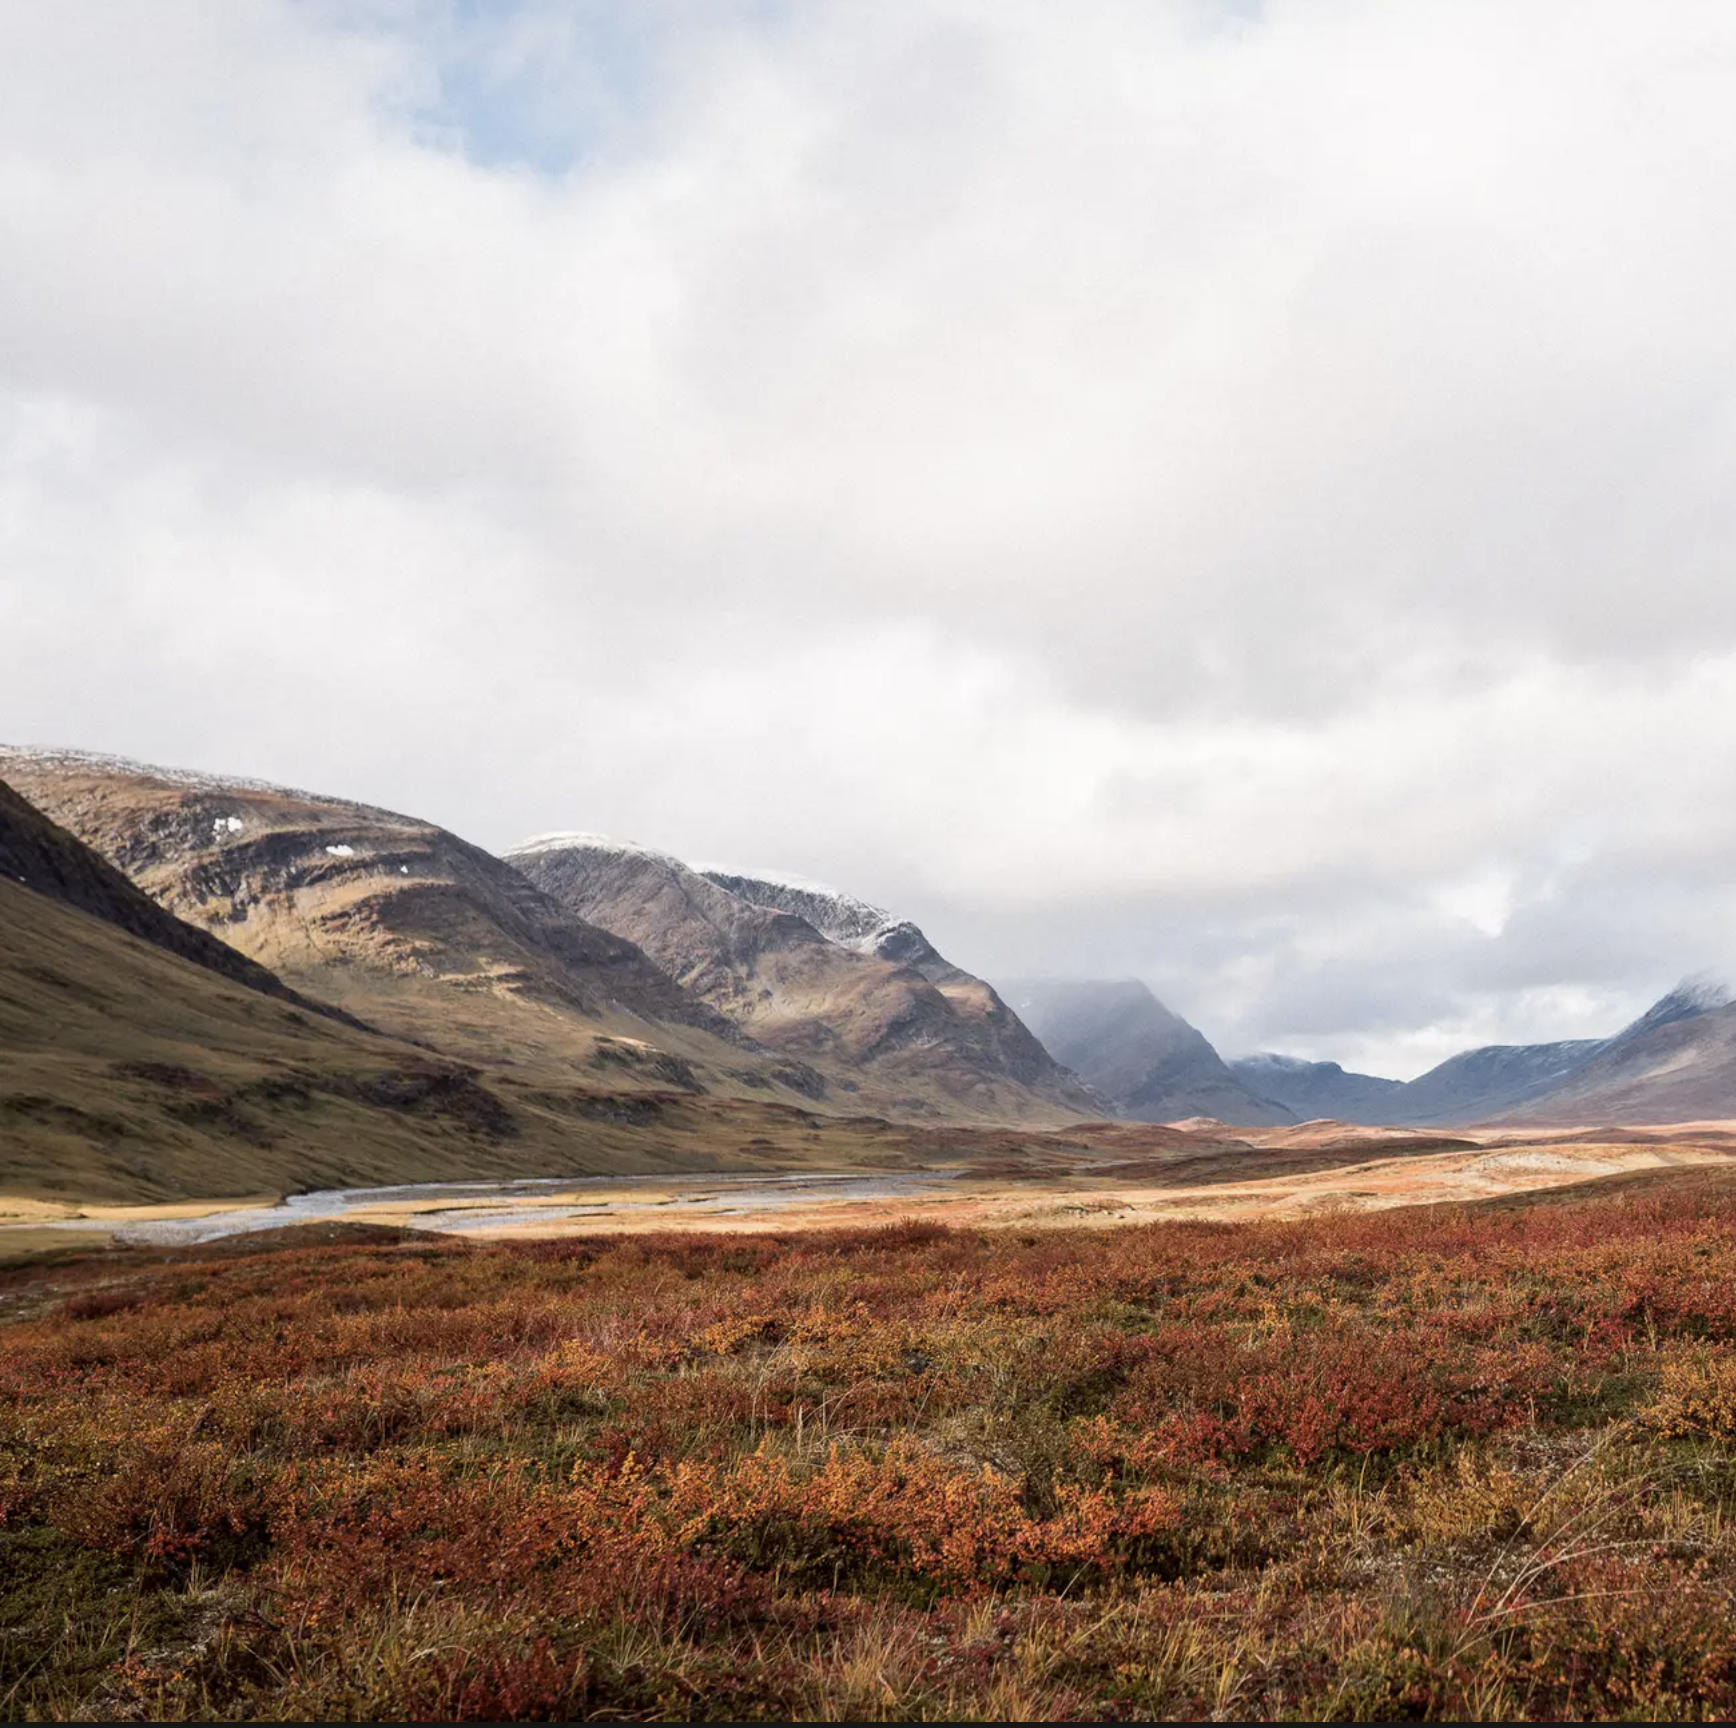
[1238, 495]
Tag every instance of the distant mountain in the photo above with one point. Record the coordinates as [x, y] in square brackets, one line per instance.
[1318, 1089]
[817, 975]
[1149, 1063]
[1473, 1086]
[1478, 1085]
[1676, 1062]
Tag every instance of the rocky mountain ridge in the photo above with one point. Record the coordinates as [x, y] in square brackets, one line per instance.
[844, 919]
[430, 938]
[415, 930]
[859, 993]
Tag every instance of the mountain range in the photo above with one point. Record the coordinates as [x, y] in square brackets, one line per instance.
[816, 976]
[1676, 1062]
[220, 985]
[748, 1028]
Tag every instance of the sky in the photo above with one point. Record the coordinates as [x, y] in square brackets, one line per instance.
[1233, 494]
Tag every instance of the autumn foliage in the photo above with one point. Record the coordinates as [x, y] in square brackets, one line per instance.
[1434, 1463]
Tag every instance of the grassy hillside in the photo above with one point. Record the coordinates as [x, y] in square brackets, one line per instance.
[40, 854]
[128, 1074]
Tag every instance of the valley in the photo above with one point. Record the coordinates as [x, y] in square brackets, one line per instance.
[573, 1283]
[1100, 1176]
[216, 990]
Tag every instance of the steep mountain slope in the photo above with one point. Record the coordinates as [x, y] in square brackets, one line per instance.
[141, 1060]
[879, 1027]
[420, 933]
[1318, 1089]
[129, 1073]
[1149, 1063]
[868, 929]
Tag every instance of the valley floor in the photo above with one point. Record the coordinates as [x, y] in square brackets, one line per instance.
[1100, 1174]
[1453, 1461]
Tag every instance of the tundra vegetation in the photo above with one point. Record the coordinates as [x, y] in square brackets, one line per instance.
[1447, 1462]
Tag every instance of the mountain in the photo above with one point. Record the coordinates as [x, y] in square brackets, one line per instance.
[1318, 1089]
[1482, 1084]
[421, 934]
[1675, 1063]
[818, 976]
[142, 1060]
[871, 930]
[1148, 1063]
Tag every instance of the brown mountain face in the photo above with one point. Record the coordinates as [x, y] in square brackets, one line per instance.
[142, 1059]
[423, 935]
[877, 1027]
[865, 929]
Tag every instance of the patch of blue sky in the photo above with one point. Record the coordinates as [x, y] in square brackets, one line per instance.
[528, 84]
[543, 84]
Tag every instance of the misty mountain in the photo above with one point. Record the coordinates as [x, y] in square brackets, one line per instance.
[1149, 1063]
[1675, 1063]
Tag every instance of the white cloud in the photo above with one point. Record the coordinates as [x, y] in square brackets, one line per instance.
[1236, 494]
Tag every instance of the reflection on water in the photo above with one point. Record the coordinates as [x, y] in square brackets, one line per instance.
[538, 1201]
